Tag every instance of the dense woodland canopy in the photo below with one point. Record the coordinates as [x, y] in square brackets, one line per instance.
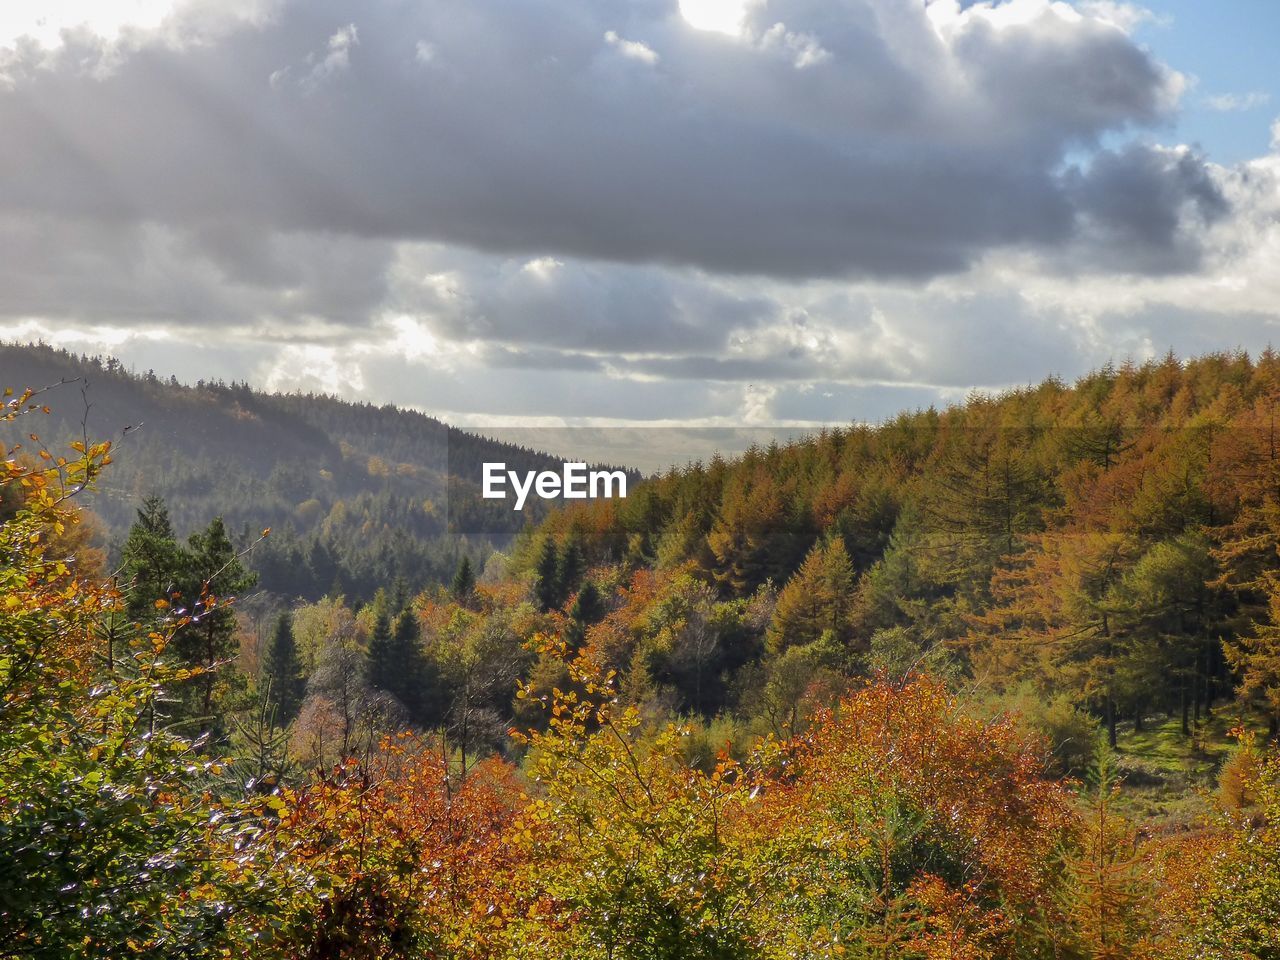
[357, 495]
[995, 681]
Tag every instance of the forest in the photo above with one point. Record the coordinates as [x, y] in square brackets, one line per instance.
[999, 681]
[357, 495]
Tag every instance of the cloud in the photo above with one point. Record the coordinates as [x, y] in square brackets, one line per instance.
[1126, 16]
[1145, 209]
[1237, 102]
[631, 49]
[574, 304]
[593, 210]
[810, 145]
[318, 67]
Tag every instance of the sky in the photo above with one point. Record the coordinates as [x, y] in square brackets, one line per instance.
[658, 212]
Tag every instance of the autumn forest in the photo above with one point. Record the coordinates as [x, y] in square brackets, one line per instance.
[999, 681]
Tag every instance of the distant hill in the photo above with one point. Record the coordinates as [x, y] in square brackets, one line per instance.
[358, 496]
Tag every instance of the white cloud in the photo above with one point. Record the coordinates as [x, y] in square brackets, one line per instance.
[631, 49]
[804, 49]
[44, 21]
[1126, 16]
[318, 67]
[311, 367]
[717, 16]
[528, 141]
[1237, 102]
[542, 267]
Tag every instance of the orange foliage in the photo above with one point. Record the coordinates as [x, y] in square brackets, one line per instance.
[948, 816]
[395, 856]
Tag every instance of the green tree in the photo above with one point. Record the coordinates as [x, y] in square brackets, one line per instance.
[382, 660]
[1238, 913]
[196, 582]
[587, 609]
[464, 581]
[282, 671]
[397, 664]
[217, 576]
[1172, 615]
[111, 842]
[546, 576]
[572, 565]
[817, 599]
[152, 566]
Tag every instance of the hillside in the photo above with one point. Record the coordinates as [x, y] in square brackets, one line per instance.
[357, 495]
[997, 680]
[1111, 544]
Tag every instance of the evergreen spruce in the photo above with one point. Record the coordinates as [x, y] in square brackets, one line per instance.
[216, 575]
[572, 566]
[587, 608]
[152, 561]
[546, 586]
[283, 671]
[464, 581]
[397, 664]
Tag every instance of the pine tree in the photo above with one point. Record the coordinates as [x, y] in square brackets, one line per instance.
[587, 608]
[326, 574]
[464, 581]
[197, 579]
[151, 561]
[262, 749]
[1059, 614]
[382, 666]
[817, 599]
[397, 664]
[217, 575]
[1257, 656]
[1105, 883]
[283, 671]
[984, 497]
[754, 537]
[572, 566]
[546, 584]
[1169, 608]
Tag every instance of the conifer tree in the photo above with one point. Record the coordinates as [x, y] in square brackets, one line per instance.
[464, 581]
[1059, 614]
[283, 671]
[382, 668]
[1106, 886]
[151, 561]
[816, 599]
[216, 575]
[984, 496]
[546, 584]
[326, 574]
[754, 539]
[587, 608]
[571, 567]
[397, 664]
[159, 574]
[1256, 656]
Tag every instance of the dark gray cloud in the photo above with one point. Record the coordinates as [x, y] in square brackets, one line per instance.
[1145, 209]
[853, 138]
[215, 274]
[571, 304]
[584, 208]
